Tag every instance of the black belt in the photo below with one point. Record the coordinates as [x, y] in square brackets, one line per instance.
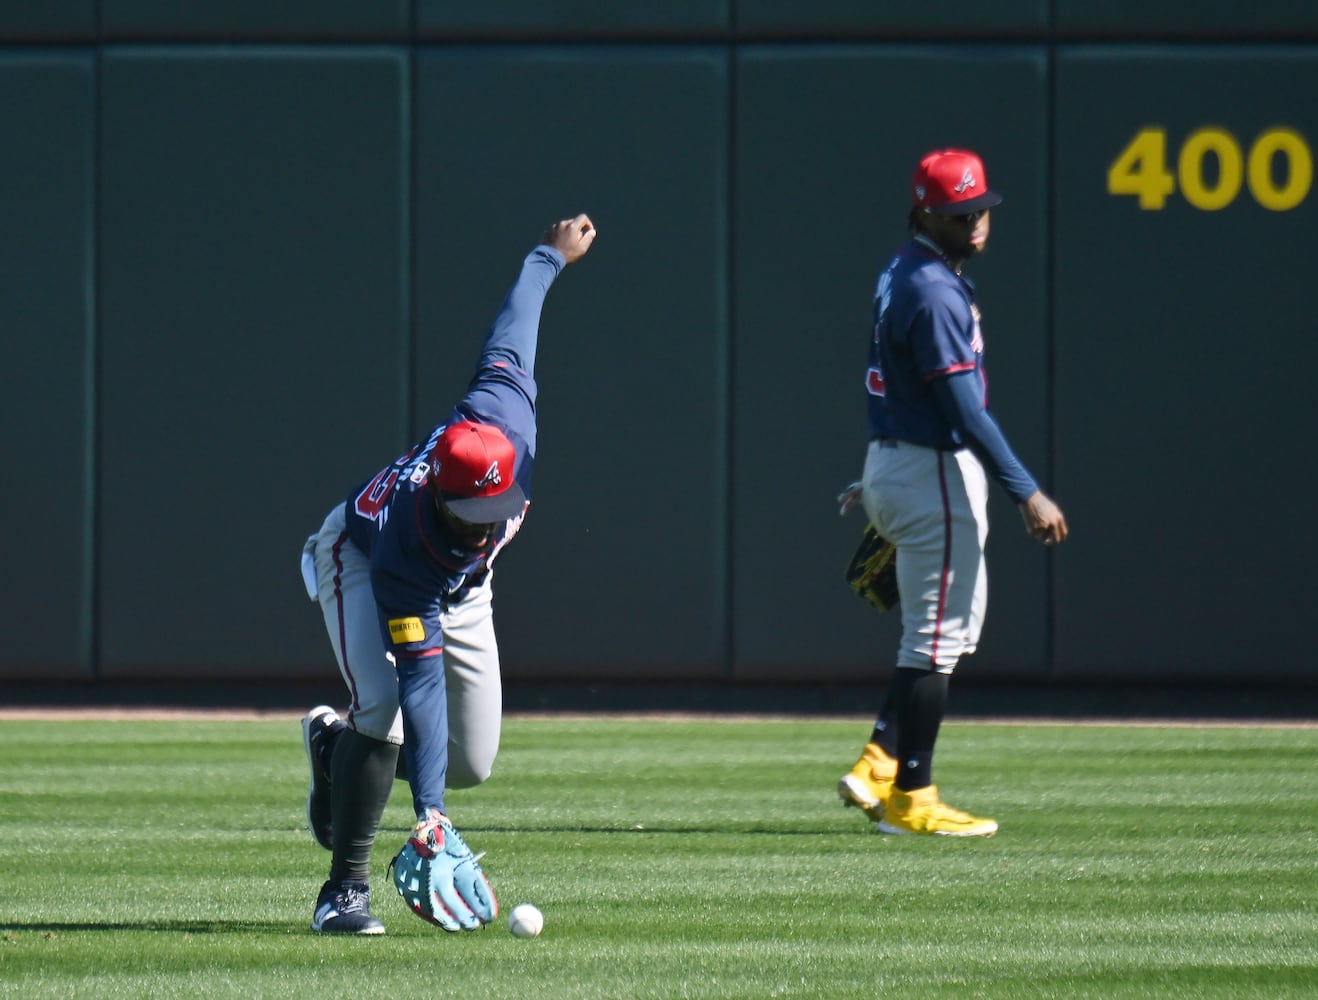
[886, 442]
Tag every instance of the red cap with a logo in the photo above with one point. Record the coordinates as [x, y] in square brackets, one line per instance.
[952, 182]
[473, 468]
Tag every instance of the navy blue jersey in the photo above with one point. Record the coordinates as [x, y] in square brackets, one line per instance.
[925, 326]
[416, 568]
[926, 382]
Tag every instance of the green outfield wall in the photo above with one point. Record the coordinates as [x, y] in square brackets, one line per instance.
[250, 251]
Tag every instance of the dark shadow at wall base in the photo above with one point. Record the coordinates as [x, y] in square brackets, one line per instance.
[969, 700]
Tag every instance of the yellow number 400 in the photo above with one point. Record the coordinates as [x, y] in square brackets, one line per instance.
[1141, 169]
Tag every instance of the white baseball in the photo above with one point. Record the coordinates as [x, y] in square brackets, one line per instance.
[526, 921]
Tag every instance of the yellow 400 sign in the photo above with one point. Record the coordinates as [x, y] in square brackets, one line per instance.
[1141, 169]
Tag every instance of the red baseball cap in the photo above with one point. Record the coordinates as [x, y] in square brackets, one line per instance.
[952, 182]
[473, 468]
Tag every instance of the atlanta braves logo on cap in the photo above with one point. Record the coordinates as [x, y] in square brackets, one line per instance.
[952, 182]
[491, 477]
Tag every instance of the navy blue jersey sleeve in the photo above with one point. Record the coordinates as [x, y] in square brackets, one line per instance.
[409, 618]
[941, 338]
[514, 334]
[961, 395]
[503, 391]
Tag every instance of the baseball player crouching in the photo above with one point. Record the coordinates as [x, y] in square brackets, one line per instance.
[403, 571]
[933, 446]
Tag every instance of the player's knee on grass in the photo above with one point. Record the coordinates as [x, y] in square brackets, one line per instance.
[462, 771]
[465, 772]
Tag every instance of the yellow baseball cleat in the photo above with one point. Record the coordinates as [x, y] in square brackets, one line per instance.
[921, 811]
[869, 783]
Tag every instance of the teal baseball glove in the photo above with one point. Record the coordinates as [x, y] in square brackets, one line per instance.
[441, 880]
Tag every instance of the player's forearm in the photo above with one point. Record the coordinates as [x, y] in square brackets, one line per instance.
[961, 399]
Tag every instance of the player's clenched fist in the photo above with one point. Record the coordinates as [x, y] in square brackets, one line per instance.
[571, 237]
[1044, 519]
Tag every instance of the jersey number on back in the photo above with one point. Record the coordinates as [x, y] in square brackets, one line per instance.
[874, 382]
[371, 502]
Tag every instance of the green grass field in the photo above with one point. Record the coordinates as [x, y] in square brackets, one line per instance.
[675, 859]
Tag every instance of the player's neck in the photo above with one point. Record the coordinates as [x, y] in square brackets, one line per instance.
[953, 263]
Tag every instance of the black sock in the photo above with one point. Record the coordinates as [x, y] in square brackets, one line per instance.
[886, 729]
[361, 776]
[919, 710]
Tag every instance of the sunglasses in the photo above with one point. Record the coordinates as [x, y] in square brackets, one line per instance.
[970, 218]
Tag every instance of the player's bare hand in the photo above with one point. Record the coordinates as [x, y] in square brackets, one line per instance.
[571, 237]
[1044, 519]
[849, 499]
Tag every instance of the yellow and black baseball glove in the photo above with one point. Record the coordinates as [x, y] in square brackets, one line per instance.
[872, 571]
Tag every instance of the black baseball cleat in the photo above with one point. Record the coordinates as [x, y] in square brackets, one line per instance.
[345, 908]
[319, 727]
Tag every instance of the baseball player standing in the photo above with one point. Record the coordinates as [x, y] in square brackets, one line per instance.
[403, 571]
[933, 445]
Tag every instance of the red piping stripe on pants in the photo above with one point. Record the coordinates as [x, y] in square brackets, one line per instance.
[947, 560]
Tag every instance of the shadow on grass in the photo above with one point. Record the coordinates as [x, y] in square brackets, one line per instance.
[167, 926]
[731, 829]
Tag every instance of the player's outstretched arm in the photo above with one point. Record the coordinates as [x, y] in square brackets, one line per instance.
[514, 334]
[1043, 519]
[571, 237]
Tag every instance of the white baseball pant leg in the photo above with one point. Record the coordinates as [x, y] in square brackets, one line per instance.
[474, 684]
[933, 505]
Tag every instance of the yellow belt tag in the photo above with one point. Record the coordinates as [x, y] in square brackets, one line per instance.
[406, 630]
